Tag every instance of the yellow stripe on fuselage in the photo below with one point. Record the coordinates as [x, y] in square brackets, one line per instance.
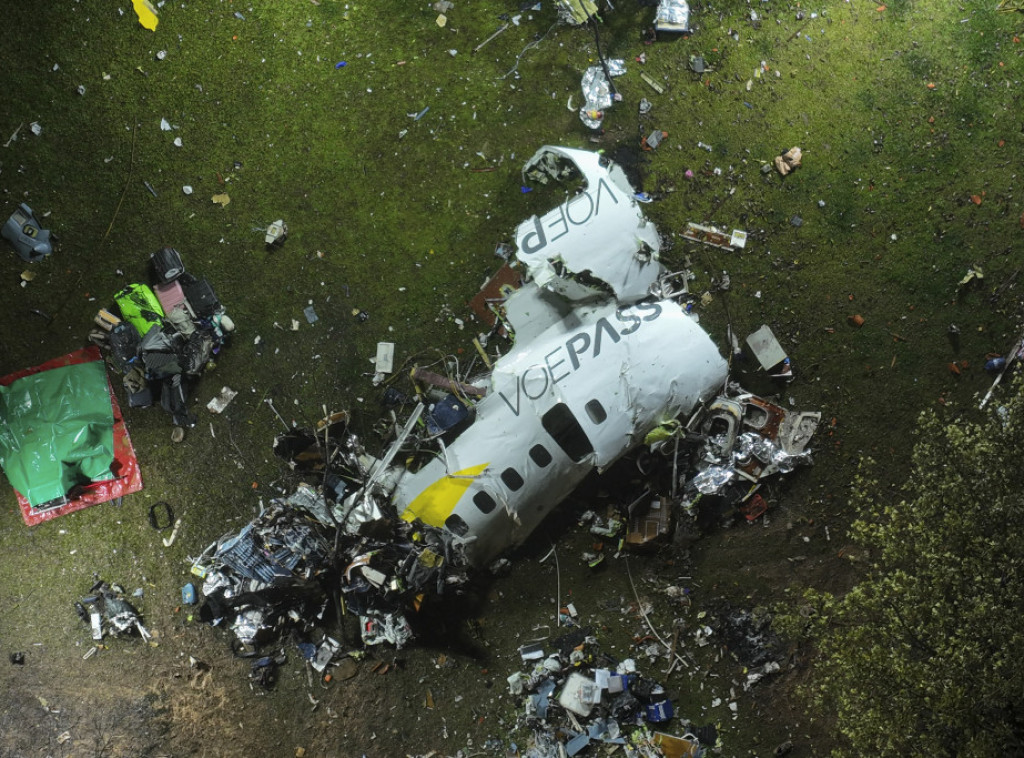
[437, 501]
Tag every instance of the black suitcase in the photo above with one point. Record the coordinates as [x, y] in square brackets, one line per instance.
[167, 264]
[200, 295]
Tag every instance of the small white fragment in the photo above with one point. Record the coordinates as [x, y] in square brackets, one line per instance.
[168, 541]
[219, 403]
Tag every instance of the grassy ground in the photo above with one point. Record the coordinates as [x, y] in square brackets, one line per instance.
[904, 113]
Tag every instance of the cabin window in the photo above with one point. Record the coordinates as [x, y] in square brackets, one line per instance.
[540, 455]
[567, 432]
[512, 479]
[484, 502]
[596, 411]
[457, 525]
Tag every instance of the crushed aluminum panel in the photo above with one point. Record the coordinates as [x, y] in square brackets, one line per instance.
[595, 242]
[673, 16]
[796, 431]
[598, 94]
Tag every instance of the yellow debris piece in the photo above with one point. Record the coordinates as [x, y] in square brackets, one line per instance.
[222, 199]
[146, 13]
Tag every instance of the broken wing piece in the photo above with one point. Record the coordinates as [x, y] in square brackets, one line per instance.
[595, 243]
[146, 13]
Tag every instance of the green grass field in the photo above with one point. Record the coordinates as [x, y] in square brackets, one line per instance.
[908, 116]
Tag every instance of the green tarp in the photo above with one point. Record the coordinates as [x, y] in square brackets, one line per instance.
[57, 430]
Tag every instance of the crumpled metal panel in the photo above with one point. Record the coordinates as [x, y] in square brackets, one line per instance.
[597, 92]
[672, 16]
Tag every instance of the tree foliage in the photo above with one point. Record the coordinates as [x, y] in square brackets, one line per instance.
[925, 656]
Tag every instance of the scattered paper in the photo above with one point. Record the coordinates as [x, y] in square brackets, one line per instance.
[221, 198]
[385, 361]
[219, 403]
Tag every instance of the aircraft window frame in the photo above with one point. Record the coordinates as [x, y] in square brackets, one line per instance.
[512, 479]
[596, 411]
[456, 525]
[564, 428]
[490, 502]
[540, 455]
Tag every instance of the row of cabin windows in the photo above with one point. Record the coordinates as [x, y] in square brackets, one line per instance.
[565, 430]
[512, 479]
[563, 427]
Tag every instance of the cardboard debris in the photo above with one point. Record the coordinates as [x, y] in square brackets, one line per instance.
[766, 348]
[488, 303]
[713, 236]
[788, 161]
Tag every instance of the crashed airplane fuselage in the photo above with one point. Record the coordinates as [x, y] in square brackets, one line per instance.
[606, 357]
[576, 398]
[598, 362]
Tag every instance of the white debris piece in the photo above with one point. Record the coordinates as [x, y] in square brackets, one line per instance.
[385, 361]
[219, 403]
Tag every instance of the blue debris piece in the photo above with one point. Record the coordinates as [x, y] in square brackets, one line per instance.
[576, 744]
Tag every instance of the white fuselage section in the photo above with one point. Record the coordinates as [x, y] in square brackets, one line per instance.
[581, 394]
